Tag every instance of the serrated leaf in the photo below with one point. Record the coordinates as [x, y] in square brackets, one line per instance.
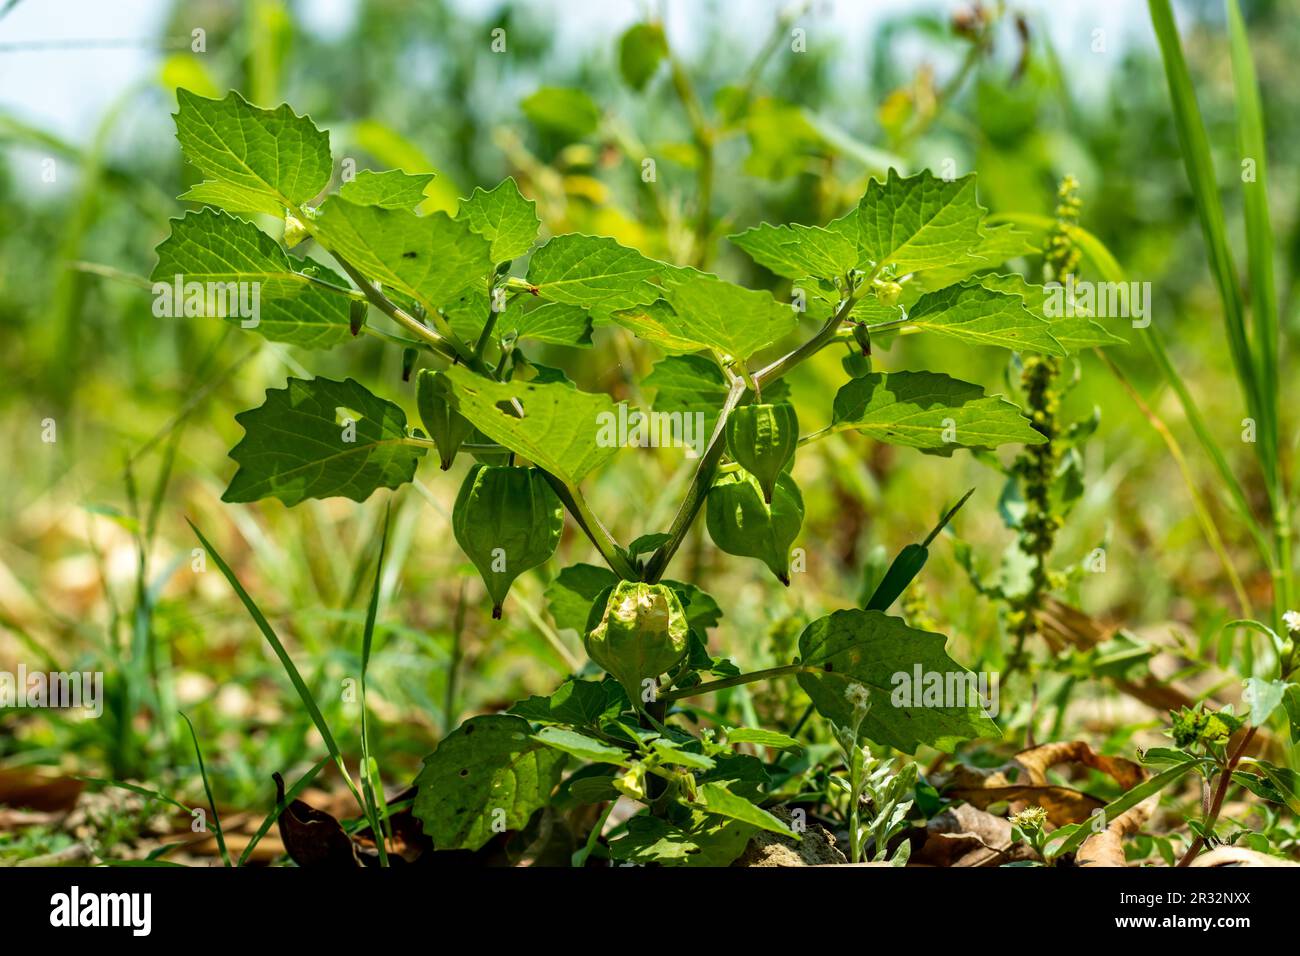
[264, 159]
[390, 189]
[487, 764]
[796, 252]
[562, 110]
[575, 702]
[503, 217]
[971, 313]
[918, 222]
[593, 271]
[429, 258]
[997, 244]
[1074, 332]
[559, 427]
[883, 654]
[295, 444]
[552, 322]
[706, 841]
[702, 312]
[213, 246]
[233, 198]
[569, 597]
[692, 383]
[926, 409]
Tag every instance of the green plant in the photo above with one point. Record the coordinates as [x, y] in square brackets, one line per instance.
[914, 256]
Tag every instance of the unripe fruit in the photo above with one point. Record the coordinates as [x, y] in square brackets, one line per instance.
[507, 519]
[762, 439]
[741, 523]
[446, 426]
[641, 633]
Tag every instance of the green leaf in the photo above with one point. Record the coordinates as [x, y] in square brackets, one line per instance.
[559, 427]
[210, 246]
[503, 217]
[296, 445]
[692, 383]
[930, 410]
[972, 313]
[593, 271]
[390, 189]
[997, 244]
[702, 611]
[552, 322]
[706, 841]
[718, 800]
[796, 252]
[883, 654]
[581, 703]
[261, 160]
[571, 595]
[487, 764]
[745, 775]
[428, 258]
[702, 312]
[562, 110]
[671, 753]
[918, 222]
[581, 746]
[1285, 781]
[640, 51]
[763, 738]
[1263, 697]
[233, 198]
[1073, 332]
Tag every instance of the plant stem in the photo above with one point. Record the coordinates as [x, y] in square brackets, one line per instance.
[486, 335]
[453, 668]
[1221, 791]
[738, 395]
[701, 689]
[592, 528]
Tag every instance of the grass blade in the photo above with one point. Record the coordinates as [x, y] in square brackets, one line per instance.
[376, 809]
[295, 678]
[207, 789]
[1200, 173]
[1259, 233]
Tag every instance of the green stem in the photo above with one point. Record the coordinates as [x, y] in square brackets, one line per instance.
[592, 528]
[738, 395]
[486, 335]
[700, 690]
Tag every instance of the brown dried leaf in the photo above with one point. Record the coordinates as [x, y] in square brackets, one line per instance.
[1239, 856]
[1022, 781]
[1107, 848]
